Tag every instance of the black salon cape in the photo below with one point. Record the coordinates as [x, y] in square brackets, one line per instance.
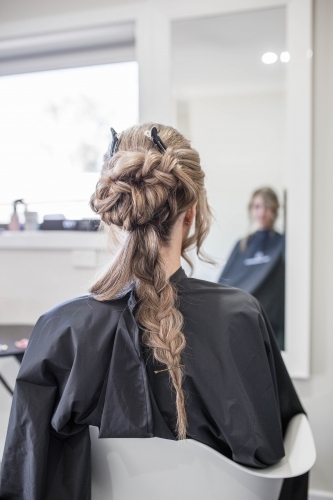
[85, 366]
[259, 269]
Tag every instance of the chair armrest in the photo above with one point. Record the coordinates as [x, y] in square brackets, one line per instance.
[299, 448]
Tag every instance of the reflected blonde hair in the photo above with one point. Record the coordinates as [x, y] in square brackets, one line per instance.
[143, 192]
[270, 198]
[271, 201]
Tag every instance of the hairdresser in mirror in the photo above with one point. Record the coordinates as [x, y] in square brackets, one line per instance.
[257, 262]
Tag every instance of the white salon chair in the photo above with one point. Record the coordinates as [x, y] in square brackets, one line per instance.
[159, 469]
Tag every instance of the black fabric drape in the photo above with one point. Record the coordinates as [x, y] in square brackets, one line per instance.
[259, 269]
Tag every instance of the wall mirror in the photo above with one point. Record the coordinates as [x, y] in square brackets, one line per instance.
[232, 81]
[232, 106]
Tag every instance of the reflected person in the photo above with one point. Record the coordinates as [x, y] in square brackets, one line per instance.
[257, 262]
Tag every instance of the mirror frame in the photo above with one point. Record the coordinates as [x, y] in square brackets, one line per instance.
[153, 20]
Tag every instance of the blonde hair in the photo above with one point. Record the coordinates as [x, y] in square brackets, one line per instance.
[271, 201]
[270, 198]
[143, 191]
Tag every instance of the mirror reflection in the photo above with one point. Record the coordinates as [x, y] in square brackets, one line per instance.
[229, 76]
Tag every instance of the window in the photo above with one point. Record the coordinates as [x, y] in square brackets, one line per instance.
[54, 130]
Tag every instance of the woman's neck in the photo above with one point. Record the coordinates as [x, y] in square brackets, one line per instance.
[171, 259]
[171, 253]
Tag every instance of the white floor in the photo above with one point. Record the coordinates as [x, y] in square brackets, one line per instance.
[320, 495]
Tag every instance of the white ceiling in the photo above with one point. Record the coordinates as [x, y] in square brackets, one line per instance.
[222, 54]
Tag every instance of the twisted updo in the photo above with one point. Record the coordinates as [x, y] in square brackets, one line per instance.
[143, 191]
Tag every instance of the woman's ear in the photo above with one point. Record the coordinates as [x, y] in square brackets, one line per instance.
[190, 215]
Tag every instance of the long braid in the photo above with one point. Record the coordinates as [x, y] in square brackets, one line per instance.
[161, 321]
[143, 192]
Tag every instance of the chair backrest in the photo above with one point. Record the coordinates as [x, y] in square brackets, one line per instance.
[159, 469]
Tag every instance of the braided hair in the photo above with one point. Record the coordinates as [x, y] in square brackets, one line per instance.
[143, 190]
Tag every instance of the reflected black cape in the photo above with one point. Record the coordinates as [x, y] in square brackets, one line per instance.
[259, 269]
[85, 366]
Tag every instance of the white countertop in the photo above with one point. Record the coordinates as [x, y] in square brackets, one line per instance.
[52, 240]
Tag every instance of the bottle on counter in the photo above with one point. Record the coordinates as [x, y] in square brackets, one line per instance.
[14, 224]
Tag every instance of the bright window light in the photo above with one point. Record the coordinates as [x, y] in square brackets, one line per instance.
[285, 57]
[269, 58]
[54, 130]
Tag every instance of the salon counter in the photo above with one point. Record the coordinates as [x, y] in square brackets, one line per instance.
[41, 269]
[51, 240]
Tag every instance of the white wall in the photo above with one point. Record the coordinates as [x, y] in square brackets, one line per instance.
[317, 392]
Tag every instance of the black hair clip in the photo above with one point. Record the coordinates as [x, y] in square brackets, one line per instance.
[153, 136]
[115, 142]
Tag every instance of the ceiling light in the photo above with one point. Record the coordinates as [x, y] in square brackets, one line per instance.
[284, 57]
[269, 58]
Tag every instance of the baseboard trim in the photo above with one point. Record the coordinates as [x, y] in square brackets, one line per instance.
[320, 495]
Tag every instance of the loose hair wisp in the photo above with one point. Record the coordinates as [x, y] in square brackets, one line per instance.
[150, 176]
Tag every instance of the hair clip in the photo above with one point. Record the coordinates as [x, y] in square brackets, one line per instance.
[168, 369]
[153, 136]
[115, 142]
